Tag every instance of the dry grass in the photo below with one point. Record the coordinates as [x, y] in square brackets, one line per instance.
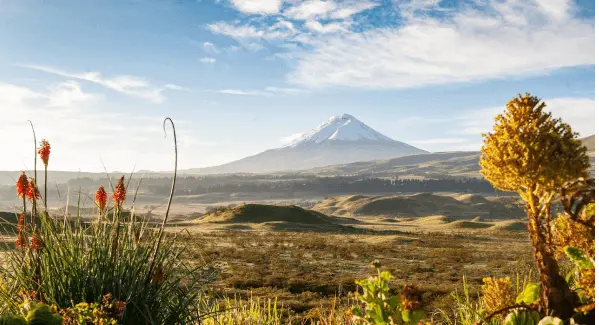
[307, 270]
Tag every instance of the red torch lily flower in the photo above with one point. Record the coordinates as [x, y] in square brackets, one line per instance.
[21, 223]
[36, 242]
[44, 151]
[22, 185]
[32, 191]
[21, 240]
[120, 307]
[120, 192]
[101, 198]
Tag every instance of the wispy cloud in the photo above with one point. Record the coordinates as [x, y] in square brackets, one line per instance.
[69, 93]
[135, 135]
[268, 91]
[243, 92]
[126, 84]
[578, 112]
[310, 9]
[244, 32]
[499, 39]
[207, 60]
[263, 7]
[210, 48]
[326, 28]
[317, 9]
[348, 9]
[286, 91]
[176, 87]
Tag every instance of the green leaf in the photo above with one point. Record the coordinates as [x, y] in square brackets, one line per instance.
[530, 294]
[548, 320]
[569, 277]
[418, 315]
[393, 301]
[522, 318]
[405, 315]
[577, 256]
[356, 311]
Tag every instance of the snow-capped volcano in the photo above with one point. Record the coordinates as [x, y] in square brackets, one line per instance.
[339, 128]
[342, 139]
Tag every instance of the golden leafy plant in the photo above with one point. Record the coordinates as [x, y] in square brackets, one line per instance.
[533, 154]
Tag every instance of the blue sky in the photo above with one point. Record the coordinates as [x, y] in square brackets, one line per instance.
[242, 76]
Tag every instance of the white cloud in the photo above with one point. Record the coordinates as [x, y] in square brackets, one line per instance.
[242, 33]
[327, 28]
[176, 87]
[557, 9]
[578, 112]
[208, 60]
[504, 39]
[264, 7]
[318, 9]
[130, 85]
[69, 93]
[15, 96]
[243, 92]
[310, 9]
[268, 91]
[290, 138]
[349, 9]
[285, 91]
[84, 129]
[210, 48]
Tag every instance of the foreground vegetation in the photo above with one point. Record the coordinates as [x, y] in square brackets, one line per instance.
[117, 269]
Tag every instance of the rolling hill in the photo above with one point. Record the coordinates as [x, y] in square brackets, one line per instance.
[418, 205]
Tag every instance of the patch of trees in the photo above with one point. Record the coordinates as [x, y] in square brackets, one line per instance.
[329, 185]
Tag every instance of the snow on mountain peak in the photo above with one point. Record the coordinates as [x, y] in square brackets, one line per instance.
[340, 128]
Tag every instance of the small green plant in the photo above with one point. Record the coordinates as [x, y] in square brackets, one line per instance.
[522, 317]
[33, 313]
[380, 306]
[106, 313]
[238, 312]
[464, 310]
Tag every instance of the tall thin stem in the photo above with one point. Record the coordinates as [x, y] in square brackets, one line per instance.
[170, 199]
[24, 207]
[34, 203]
[46, 189]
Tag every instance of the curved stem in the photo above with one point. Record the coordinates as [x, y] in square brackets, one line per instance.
[170, 199]
[502, 310]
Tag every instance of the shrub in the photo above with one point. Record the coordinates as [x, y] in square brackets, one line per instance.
[64, 262]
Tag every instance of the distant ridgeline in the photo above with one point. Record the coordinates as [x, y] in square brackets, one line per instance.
[328, 185]
[288, 183]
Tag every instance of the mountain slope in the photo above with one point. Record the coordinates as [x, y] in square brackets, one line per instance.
[459, 163]
[342, 139]
[437, 164]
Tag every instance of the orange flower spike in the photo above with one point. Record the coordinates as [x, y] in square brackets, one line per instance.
[36, 242]
[101, 198]
[21, 223]
[22, 185]
[21, 240]
[120, 192]
[120, 307]
[44, 151]
[32, 191]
